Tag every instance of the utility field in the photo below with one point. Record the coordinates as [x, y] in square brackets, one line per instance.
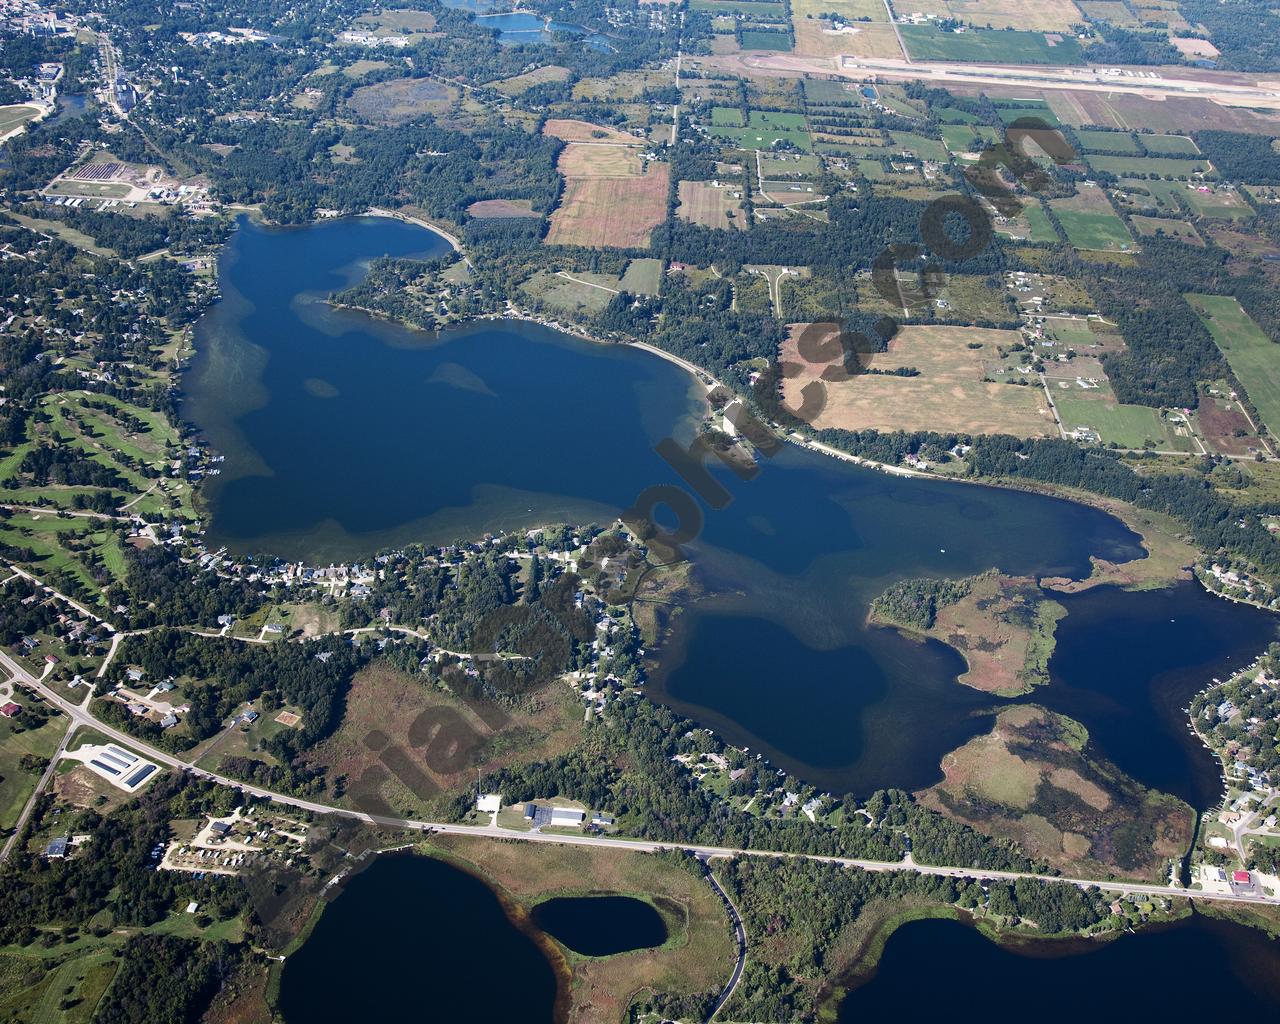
[948, 394]
[610, 198]
[985, 46]
[1253, 357]
[711, 206]
[1090, 221]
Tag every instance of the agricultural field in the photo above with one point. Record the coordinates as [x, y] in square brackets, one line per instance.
[574, 294]
[1027, 15]
[764, 130]
[1169, 145]
[757, 40]
[1253, 357]
[568, 130]
[402, 99]
[1097, 141]
[984, 46]
[1153, 166]
[965, 138]
[1219, 202]
[703, 203]
[950, 393]
[610, 198]
[815, 37]
[1013, 111]
[790, 165]
[1179, 229]
[1090, 222]
[1031, 225]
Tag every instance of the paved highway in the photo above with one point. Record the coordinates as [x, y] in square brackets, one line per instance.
[81, 716]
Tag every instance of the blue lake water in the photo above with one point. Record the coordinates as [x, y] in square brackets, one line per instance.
[344, 434]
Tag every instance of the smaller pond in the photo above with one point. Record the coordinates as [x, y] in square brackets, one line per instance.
[601, 925]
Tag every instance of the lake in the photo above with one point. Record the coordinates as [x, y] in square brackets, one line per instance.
[413, 938]
[1187, 971]
[601, 925]
[344, 434]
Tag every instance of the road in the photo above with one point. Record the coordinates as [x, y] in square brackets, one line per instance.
[740, 936]
[81, 716]
[888, 9]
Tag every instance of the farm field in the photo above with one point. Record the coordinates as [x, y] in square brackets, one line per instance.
[1220, 203]
[1253, 357]
[983, 46]
[1090, 222]
[1169, 145]
[1163, 166]
[1029, 15]
[755, 40]
[949, 394]
[815, 38]
[569, 130]
[703, 203]
[964, 138]
[618, 211]
[1094, 140]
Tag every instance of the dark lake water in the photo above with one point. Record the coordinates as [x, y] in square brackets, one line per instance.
[415, 939]
[601, 925]
[1189, 971]
[344, 434]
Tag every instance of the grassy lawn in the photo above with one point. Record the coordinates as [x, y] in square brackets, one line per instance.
[1106, 142]
[13, 116]
[1162, 166]
[1129, 426]
[1254, 358]
[17, 785]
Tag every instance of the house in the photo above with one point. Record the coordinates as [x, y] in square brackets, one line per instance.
[221, 829]
[57, 848]
[169, 721]
[1241, 878]
[249, 717]
[602, 820]
[10, 709]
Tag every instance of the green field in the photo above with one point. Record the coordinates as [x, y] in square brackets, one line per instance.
[1087, 229]
[762, 137]
[1039, 110]
[1169, 145]
[964, 138]
[771, 119]
[1129, 426]
[953, 115]
[1096, 141]
[928, 42]
[16, 785]
[1254, 358]
[1038, 222]
[925, 149]
[766, 41]
[1161, 166]
[726, 117]
[756, 7]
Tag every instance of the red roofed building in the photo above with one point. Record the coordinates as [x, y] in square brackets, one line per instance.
[10, 709]
[1241, 877]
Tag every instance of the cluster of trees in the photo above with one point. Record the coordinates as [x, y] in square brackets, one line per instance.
[1121, 46]
[160, 589]
[136, 236]
[1241, 156]
[166, 979]
[1247, 32]
[914, 603]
